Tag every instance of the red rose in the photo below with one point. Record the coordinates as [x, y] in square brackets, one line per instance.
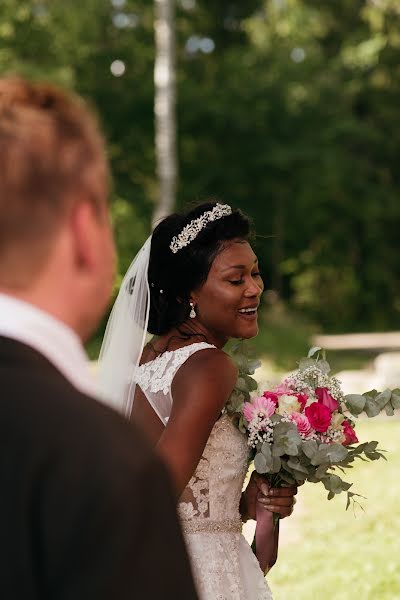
[272, 396]
[349, 433]
[326, 399]
[302, 398]
[319, 416]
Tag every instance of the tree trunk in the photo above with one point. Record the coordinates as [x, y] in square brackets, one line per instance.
[164, 107]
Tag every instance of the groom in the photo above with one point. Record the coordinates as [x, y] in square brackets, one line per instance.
[86, 510]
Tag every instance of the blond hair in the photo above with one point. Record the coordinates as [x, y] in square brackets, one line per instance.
[51, 154]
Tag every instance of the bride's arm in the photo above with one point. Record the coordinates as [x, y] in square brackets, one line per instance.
[200, 389]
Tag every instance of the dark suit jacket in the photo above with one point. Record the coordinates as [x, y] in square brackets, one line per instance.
[86, 509]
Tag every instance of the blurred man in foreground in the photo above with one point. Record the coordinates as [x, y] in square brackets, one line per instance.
[76, 478]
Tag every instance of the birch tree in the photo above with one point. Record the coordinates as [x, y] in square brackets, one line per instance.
[164, 106]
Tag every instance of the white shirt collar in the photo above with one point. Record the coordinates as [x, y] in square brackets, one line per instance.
[50, 337]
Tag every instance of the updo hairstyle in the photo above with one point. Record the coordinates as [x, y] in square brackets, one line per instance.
[172, 277]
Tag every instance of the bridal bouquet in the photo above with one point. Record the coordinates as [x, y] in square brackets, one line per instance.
[303, 429]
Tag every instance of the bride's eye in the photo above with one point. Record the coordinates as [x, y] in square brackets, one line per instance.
[257, 274]
[236, 281]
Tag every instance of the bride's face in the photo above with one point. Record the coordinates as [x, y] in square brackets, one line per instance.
[227, 303]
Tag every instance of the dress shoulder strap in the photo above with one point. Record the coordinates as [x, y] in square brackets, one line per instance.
[157, 375]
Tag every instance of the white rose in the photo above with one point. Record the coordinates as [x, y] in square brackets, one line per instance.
[288, 405]
[336, 422]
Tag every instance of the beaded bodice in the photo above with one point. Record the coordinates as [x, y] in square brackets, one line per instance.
[213, 493]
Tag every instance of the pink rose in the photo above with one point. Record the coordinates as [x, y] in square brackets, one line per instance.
[302, 423]
[349, 433]
[272, 396]
[282, 388]
[319, 416]
[326, 399]
[259, 406]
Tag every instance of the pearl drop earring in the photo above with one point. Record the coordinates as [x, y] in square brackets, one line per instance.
[192, 314]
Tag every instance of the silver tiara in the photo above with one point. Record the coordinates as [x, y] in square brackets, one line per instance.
[192, 230]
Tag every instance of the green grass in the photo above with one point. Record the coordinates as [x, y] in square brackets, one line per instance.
[330, 554]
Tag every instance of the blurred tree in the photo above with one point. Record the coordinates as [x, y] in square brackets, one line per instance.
[164, 106]
[286, 108]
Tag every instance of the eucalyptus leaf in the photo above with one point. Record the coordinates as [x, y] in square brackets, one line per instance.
[355, 403]
[309, 448]
[329, 454]
[287, 439]
[251, 384]
[306, 362]
[287, 477]
[321, 471]
[324, 366]
[333, 483]
[276, 464]
[371, 408]
[395, 399]
[383, 398]
[372, 394]
[389, 410]
[313, 351]
[260, 463]
[297, 466]
[241, 384]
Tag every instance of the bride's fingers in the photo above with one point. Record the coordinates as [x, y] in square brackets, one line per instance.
[283, 492]
[286, 501]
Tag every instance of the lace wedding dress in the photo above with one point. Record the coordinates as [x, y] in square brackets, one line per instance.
[223, 563]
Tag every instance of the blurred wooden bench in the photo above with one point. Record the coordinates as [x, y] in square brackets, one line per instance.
[359, 341]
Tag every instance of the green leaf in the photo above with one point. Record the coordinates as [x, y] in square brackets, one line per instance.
[276, 464]
[389, 410]
[395, 399]
[313, 351]
[383, 398]
[355, 403]
[324, 366]
[321, 471]
[370, 446]
[297, 466]
[305, 363]
[260, 463]
[309, 448]
[329, 454]
[371, 408]
[336, 485]
[287, 440]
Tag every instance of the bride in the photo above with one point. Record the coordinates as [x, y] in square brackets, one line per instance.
[194, 285]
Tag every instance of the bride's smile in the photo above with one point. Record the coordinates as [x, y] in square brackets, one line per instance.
[227, 303]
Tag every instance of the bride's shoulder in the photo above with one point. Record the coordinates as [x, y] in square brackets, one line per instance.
[207, 365]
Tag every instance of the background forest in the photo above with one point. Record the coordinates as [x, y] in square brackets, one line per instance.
[286, 108]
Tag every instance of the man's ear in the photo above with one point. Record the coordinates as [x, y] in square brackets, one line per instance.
[84, 231]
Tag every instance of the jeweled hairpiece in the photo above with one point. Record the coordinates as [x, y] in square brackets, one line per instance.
[192, 230]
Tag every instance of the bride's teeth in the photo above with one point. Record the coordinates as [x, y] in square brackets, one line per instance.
[247, 310]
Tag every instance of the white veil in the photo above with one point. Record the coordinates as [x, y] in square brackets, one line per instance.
[125, 335]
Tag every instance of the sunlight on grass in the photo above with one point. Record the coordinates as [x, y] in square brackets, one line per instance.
[328, 553]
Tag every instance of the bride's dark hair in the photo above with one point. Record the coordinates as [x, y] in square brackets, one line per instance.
[172, 277]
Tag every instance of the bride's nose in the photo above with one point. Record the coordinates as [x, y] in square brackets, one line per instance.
[253, 289]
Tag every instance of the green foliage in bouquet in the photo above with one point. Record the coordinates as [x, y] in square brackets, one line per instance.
[284, 445]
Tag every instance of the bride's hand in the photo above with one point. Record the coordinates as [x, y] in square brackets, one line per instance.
[277, 500]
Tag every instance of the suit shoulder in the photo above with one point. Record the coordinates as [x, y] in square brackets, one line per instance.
[49, 414]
